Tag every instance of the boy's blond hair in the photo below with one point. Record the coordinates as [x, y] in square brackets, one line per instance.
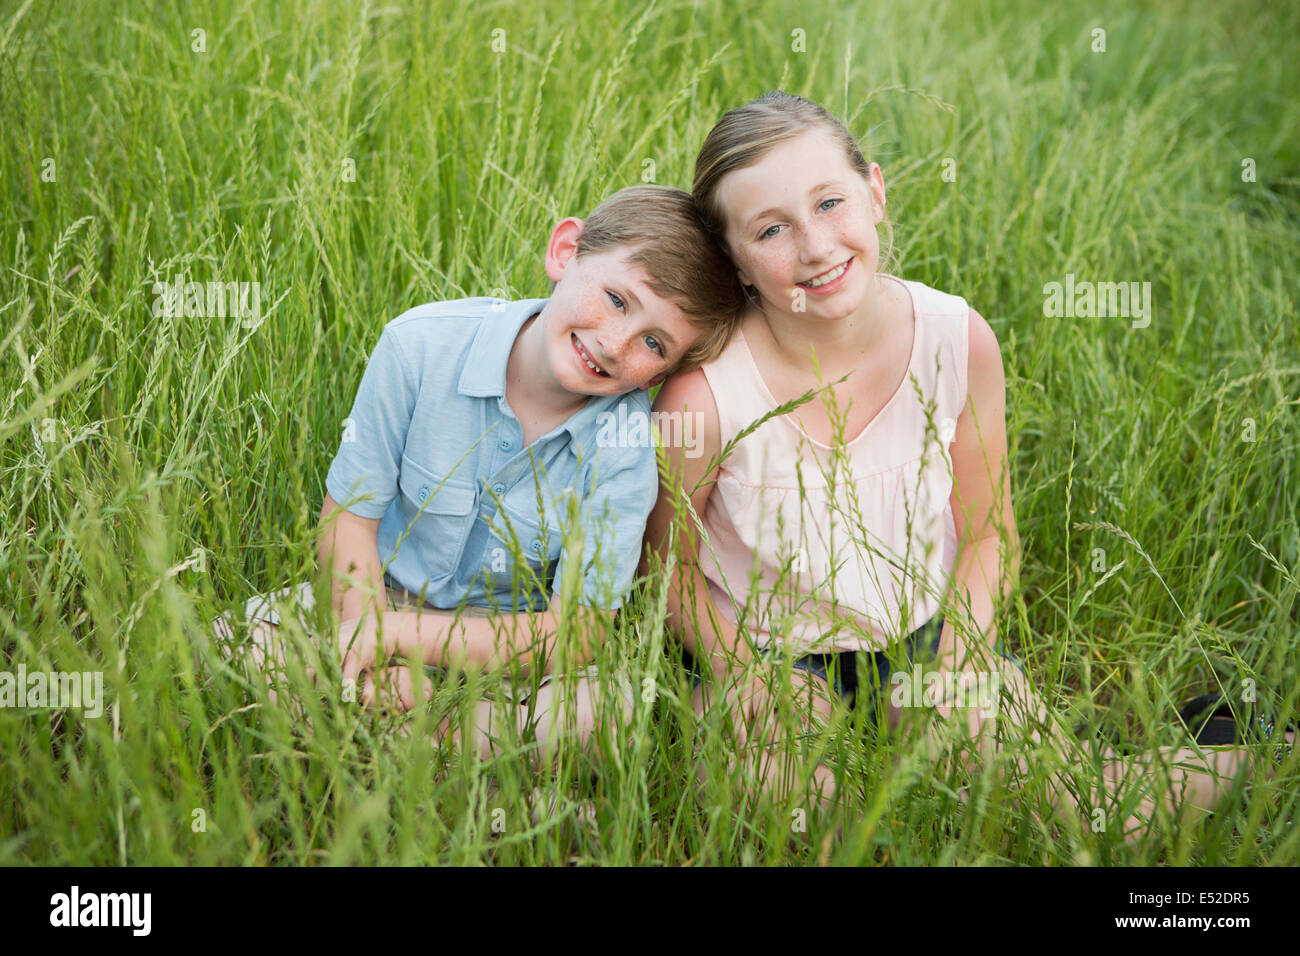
[684, 263]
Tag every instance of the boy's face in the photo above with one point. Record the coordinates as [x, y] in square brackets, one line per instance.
[601, 313]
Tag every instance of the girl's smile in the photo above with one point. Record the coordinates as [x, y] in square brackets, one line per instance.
[830, 281]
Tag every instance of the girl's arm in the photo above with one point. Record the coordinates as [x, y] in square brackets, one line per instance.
[707, 635]
[981, 501]
[988, 553]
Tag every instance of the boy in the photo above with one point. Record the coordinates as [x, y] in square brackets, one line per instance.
[472, 447]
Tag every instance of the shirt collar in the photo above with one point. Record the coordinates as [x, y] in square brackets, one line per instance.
[484, 375]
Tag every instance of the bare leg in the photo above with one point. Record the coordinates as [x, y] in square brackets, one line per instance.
[1182, 782]
[561, 712]
[264, 654]
[764, 749]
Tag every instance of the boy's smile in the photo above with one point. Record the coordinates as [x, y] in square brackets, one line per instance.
[591, 365]
[594, 348]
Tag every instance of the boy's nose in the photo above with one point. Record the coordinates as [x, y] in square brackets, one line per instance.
[612, 343]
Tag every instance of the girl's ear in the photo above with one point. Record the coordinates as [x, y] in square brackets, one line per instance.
[876, 184]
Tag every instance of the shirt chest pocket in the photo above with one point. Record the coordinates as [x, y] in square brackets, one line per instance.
[521, 535]
[441, 511]
[517, 563]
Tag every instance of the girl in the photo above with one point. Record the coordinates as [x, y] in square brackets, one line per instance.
[847, 522]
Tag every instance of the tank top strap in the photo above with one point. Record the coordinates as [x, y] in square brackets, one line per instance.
[942, 346]
[738, 390]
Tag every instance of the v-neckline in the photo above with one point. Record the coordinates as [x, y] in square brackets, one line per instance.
[789, 416]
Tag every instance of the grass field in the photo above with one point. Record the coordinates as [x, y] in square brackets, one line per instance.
[355, 162]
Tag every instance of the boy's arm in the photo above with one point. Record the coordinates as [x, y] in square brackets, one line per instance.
[348, 546]
[524, 640]
[365, 473]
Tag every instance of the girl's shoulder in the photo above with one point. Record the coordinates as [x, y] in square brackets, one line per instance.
[733, 373]
[687, 391]
[927, 300]
[970, 329]
[949, 338]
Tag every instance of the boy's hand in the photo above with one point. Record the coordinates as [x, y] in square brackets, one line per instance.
[358, 641]
[379, 683]
[392, 688]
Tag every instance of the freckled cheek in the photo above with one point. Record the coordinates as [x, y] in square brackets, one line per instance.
[871, 248]
[640, 369]
[589, 313]
[774, 268]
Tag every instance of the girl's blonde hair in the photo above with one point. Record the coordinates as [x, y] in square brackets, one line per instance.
[744, 136]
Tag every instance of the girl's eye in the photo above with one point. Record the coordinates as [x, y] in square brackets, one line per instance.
[653, 342]
[768, 233]
[618, 303]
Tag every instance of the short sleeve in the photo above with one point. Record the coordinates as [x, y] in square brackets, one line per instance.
[613, 518]
[363, 476]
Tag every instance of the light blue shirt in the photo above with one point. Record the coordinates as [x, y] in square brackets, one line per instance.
[433, 450]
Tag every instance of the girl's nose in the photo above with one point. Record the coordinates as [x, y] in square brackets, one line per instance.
[817, 244]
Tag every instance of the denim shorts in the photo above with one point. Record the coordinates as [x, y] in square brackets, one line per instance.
[850, 671]
[399, 595]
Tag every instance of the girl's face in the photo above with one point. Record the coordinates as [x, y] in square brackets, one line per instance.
[802, 215]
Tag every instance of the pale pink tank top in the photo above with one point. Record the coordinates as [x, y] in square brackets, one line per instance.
[839, 570]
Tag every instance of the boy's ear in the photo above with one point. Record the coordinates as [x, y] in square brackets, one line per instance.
[661, 377]
[562, 246]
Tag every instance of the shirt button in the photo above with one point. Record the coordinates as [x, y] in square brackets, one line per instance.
[536, 547]
[424, 492]
[499, 488]
[506, 444]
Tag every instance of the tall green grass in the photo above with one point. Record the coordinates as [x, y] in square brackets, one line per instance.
[159, 471]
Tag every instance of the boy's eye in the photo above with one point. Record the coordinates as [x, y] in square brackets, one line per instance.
[653, 342]
[768, 233]
[618, 303]
[836, 201]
